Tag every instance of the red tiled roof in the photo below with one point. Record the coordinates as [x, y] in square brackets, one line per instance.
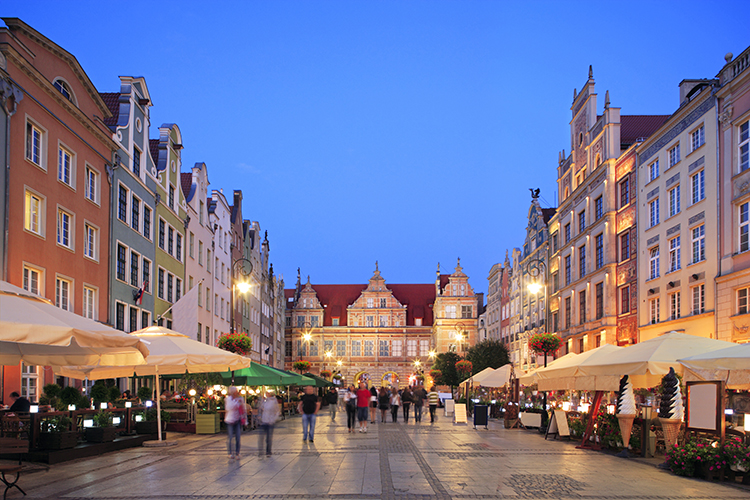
[638, 127]
[186, 180]
[153, 145]
[418, 299]
[112, 101]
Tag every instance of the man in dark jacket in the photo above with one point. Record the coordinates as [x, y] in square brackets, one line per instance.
[20, 404]
[333, 400]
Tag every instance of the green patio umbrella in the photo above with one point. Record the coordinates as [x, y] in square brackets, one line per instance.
[294, 378]
[258, 374]
[319, 382]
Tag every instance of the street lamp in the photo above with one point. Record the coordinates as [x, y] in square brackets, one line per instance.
[242, 286]
[537, 268]
[459, 336]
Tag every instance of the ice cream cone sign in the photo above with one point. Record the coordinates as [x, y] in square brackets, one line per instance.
[671, 410]
[626, 409]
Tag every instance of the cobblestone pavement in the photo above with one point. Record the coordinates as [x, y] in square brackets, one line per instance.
[391, 461]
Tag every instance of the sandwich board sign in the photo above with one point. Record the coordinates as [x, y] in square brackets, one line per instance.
[558, 426]
[459, 414]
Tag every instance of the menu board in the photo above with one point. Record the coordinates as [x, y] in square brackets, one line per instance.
[459, 414]
[704, 406]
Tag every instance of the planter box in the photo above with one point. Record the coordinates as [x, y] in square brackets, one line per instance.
[148, 427]
[101, 434]
[207, 423]
[57, 440]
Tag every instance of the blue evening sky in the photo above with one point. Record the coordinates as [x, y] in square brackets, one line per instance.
[406, 132]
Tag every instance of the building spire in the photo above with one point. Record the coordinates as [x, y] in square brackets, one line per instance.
[591, 72]
[606, 100]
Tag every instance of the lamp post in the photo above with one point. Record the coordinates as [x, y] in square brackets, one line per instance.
[537, 268]
[459, 337]
[242, 286]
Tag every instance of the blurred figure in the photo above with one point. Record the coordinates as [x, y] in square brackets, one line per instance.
[384, 400]
[373, 403]
[418, 397]
[308, 406]
[350, 403]
[406, 400]
[235, 418]
[19, 403]
[269, 413]
[433, 398]
[363, 405]
[333, 402]
[395, 403]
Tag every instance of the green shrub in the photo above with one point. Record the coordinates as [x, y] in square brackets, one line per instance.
[52, 390]
[114, 393]
[56, 424]
[99, 393]
[70, 396]
[145, 393]
[103, 419]
[150, 415]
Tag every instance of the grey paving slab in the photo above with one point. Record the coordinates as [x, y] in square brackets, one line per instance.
[391, 461]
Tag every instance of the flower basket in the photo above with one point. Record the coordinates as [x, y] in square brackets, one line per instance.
[436, 375]
[238, 343]
[301, 366]
[325, 373]
[464, 367]
[544, 343]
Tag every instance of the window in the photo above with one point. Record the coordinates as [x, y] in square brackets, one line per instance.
[200, 302]
[396, 348]
[384, 348]
[653, 263]
[32, 280]
[120, 316]
[599, 290]
[450, 312]
[699, 299]
[582, 261]
[369, 348]
[745, 227]
[62, 294]
[34, 147]
[121, 262]
[699, 243]
[34, 213]
[64, 89]
[653, 171]
[335, 321]
[135, 213]
[170, 240]
[356, 348]
[599, 243]
[369, 320]
[171, 197]
[208, 261]
[744, 146]
[674, 305]
[370, 302]
[567, 312]
[162, 233]
[170, 287]
[653, 211]
[382, 302]
[582, 306]
[697, 187]
[411, 348]
[92, 184]
[136, 162]
[555, 283]
[581, 222]
[191, 245]
[146, 275]
[29, 382]
[624, 246]
[697, 138]
[424, 347]
[90, 241]
[567, 233]
[554, 241]
[674, 254]
[89, 302]
[567, 269]
[146, 222]
[160, 287]
[466, 312]
[625, 300]
[314, 321]
[341, 348]
[64, 165]
[122, 204]
[133, 319]
[654, 311]
[64, 228]
[599, 208]
[742, 300]
[134, 275]
[178, 249]
[674, 155]
[674, 201]
[624, 192]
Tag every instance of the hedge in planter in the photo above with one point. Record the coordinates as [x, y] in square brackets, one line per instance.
[103, 432]
[56, 434]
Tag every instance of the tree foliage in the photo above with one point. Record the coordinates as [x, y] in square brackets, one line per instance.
[488, 354]
[446, 363]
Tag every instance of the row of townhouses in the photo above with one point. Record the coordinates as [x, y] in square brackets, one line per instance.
[105, 221]
[631, 250]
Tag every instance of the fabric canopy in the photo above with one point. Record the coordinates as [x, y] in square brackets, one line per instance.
[532, 377]
[35, 331]
[172, 352]
[494, 377]
[258, 374]
[567, 372]
[474, 378]
[731, 365]
[319, 382]
[648, 361]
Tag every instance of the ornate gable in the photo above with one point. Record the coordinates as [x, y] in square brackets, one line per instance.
[308, 311]
[376, 305]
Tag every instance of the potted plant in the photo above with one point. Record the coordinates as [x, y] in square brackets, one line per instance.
[464, 368]
[103, 431]
[326, 373]
[207, 419]
[56, 434]
[301, 366]
[149, 424]
[238, 343]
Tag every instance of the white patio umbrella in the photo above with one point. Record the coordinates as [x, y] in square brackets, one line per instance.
[532, 377]
[171, 353]
[36, 332]
[567, 372]
[647, 362]
[495, 378]
[731, 364]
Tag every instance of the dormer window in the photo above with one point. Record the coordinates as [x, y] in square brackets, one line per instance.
[64, 89]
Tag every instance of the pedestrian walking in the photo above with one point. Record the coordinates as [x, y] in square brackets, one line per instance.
[433, 398]
[308, 406]
[333, 402]
[418, 397]
[384, 401]
[373, 403]
[395, 403]
[406, 399]
[350, 404]
[363, 405]
[235, 418]
[268, 413]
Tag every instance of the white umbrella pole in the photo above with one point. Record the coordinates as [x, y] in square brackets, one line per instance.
[158, 403]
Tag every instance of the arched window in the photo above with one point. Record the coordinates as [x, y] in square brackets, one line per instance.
[64, 89]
